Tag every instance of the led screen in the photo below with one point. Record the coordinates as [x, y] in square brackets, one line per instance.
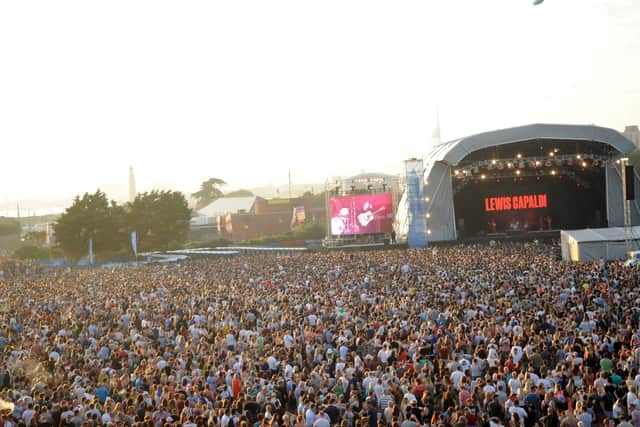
[362, 214]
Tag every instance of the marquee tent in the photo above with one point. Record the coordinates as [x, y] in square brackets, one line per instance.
[599, 243]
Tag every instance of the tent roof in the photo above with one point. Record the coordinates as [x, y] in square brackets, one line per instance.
[453, 152]
[602, 234]
[226, 205]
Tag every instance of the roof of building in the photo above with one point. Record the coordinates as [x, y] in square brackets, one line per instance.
[453, 152]
[602, 234]
[226, 205]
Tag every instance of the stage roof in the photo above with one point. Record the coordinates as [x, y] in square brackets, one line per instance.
[453, 152]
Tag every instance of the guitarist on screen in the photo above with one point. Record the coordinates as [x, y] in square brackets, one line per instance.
[368, 216]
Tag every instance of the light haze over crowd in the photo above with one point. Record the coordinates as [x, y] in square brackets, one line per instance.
[245, 90]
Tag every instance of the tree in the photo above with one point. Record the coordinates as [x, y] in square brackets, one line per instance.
[9, 226]
[32, 252]
[209, 191]
[239, 193]
[90, 217]
[36, 238]
[159, 218]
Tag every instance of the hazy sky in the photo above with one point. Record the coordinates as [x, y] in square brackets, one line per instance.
[244, 90]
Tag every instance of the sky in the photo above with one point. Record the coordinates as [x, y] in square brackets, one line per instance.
[248, 90]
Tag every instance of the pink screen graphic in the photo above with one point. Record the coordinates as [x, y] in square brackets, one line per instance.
[364, 214]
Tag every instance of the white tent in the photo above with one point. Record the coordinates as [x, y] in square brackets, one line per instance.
[599, 243]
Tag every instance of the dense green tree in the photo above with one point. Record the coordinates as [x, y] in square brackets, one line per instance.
[36, 238]
[160, 219]
[9, 226]
[209, 191]
[31, 252]
[91, 217]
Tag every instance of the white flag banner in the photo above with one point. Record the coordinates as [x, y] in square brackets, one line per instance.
[91, 251]
[134, 243]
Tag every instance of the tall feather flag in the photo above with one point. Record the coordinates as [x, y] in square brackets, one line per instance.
[91, 251]
[134, 243]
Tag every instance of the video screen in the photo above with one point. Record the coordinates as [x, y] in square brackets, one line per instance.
[362, 214]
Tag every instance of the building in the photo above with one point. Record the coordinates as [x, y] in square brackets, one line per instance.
[632, 133]
[245, 218]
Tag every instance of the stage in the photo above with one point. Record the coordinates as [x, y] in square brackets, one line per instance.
[513, 236]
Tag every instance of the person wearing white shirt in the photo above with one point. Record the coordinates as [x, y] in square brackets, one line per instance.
[522, 414]
[310, 417]
[514, 385]
[273, 363]
[456, 377]
[516, 353]
[288, 341]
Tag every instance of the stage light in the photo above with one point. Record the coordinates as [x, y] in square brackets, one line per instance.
[483, 176]
[426, 199]
[429, 231]
[555, 150]
[551, 153]
[584, 164]
[428, 215]
[456, 172]
[518, 172]
[578, 157]
[519, 156]
[537, 162]
[553, 172]
[493, 162]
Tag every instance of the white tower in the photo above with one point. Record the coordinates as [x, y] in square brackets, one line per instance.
[132, 185]
[435, 136]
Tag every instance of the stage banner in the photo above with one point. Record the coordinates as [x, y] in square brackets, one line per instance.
[299, 216]
[228, 225]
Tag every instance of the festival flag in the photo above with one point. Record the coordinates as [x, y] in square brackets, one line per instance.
[48, 234]
[228, 225]
[91, 251]
[299, 216]
[134, 243]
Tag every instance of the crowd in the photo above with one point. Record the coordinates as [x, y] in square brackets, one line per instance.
[448, 337]
[11, 267]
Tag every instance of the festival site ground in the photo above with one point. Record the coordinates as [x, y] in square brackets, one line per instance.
[451, 336]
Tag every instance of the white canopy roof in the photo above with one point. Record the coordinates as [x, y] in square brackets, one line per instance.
[453, 152]
[602, 234]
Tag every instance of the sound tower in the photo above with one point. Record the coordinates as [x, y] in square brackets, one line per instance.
[629, 181]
